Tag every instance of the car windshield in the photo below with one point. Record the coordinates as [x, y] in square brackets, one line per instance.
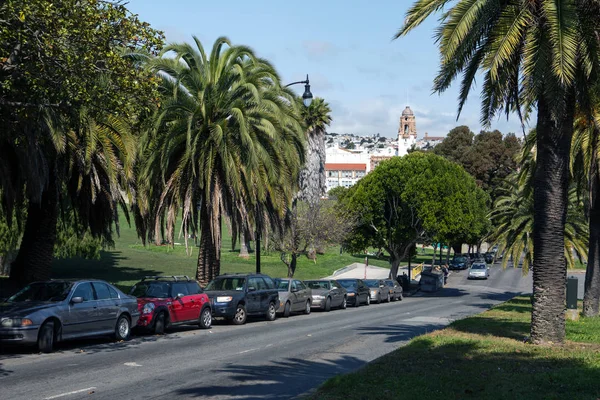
[157, 290]
[229, 283]
[460, 259]
[318, 284]
[478, 266]
[282, 285]
[389, 283]
[43, 291]
[348, 284]
[371, 282]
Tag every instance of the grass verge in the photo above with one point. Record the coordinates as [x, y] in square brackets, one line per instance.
[481, 357]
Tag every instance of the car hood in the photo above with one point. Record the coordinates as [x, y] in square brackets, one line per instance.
[320, 292]
[24, 308]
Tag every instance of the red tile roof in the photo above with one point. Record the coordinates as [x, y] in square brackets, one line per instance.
[345, 167]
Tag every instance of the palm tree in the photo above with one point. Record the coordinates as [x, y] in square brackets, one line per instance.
[538, 53]
[313, 182]
[228, 143]
[585, 167]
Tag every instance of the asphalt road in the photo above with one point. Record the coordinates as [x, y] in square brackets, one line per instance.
[261, 360]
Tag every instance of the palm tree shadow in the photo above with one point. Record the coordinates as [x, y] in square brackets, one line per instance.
[401, 332]
[283, 379]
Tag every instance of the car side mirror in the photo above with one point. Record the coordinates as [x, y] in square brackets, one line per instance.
[294, 290]
[179, 295]
[251, 288]
[77, 300]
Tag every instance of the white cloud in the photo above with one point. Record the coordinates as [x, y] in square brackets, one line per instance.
[319, 49]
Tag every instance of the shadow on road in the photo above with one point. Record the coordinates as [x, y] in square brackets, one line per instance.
[400, 332]
[279, 380]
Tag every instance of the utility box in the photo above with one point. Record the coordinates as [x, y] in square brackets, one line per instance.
[572, 283]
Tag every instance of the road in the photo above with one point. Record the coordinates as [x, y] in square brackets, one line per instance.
[261, 360]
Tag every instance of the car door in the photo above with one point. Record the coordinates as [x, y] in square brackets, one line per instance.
[196, 299]
[337, 293]
[305, 293]
[300, 295]
[108, 308]
[182, 305]
[253, 298]
[81, 318]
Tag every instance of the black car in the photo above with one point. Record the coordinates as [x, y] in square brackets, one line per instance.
[459, 262]
[358, 291]
[236, 296]
[489, 257]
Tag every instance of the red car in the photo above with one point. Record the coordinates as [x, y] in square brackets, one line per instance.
[165, 301]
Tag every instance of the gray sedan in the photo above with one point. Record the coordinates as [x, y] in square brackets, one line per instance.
[44, 313]
[396, 292]
[378, 290]
[294, 296]
[479, 270]
[327, 294]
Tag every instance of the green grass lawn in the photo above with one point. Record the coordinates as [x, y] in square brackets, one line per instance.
[129, 261]
[482, 357]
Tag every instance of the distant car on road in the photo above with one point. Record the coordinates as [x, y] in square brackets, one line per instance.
[48, 312]
[459, 262]
[395, 290]
[166, 301]
[378, 290]
[489, 257]
[479, 271]
[327, 294]
[358, 292]
[294, 296]
[236, 296]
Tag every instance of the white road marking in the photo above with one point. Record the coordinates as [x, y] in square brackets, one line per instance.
[247, 351]
[132, 364]
[70, 393]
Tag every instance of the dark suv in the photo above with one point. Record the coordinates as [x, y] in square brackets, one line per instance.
[236, 296]
[460, 262]
[165, 301]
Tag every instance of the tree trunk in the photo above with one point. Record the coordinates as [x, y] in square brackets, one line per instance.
[209, 252]
[394, 265]
[551, 181]
[34, 260]
[457, 248]
[243, 247]
[448, 256]
[591, 297]
[292, 265]
[433, 258]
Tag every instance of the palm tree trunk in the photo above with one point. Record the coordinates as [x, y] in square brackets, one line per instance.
[209, 253]
[34, 260]
[591, 298]
[551, 181]
[243, 246]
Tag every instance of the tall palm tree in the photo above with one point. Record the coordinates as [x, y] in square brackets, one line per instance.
[585, 166]
[229, 143]
[313, 182]
[538, 54]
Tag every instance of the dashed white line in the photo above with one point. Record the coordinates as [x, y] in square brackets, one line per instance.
[70, 393]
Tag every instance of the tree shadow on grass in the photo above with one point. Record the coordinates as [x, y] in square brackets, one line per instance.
[517, 330]
[283, 379]
[107, 268]
[400, 332]
[463, 369]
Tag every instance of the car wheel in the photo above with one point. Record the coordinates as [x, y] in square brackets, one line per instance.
[368, 300]
[240, 315]
[160, 323]
[307, 309]
[388, 298]
[123, 328]
[401, 297]
[271, 312]
[205, 318]
[45, 341]
[344, 303]
[328, 304]
[356, 301]
[379, 298]
[287, 309]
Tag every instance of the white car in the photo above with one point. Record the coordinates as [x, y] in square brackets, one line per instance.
[479, 270]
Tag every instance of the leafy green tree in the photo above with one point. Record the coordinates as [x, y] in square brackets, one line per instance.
[337, 193]
[419, 197]
[454, 146]
[58, 59]
[542, 55]
[228, 143]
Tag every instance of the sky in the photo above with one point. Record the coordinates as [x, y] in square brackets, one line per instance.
[347, 50]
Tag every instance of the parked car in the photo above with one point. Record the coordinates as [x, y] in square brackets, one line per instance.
[327, 294]
[294, 296]
[489, 257]
[395, 290]
[378, 290]
[358, 292]
[479, 271]
[236, 296]
[166, 301]
[44, 313]
[459, 262]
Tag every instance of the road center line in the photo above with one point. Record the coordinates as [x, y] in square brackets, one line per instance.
[70, 393]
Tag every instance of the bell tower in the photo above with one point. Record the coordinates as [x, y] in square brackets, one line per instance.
[407, 131]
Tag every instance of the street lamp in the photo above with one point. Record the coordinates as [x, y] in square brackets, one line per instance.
[306, 100]
[307, 95]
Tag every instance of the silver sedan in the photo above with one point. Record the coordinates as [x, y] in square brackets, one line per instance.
[44, 313]
[327, 293]
[479, 270]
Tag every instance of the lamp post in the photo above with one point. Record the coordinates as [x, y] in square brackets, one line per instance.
[307, 98]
